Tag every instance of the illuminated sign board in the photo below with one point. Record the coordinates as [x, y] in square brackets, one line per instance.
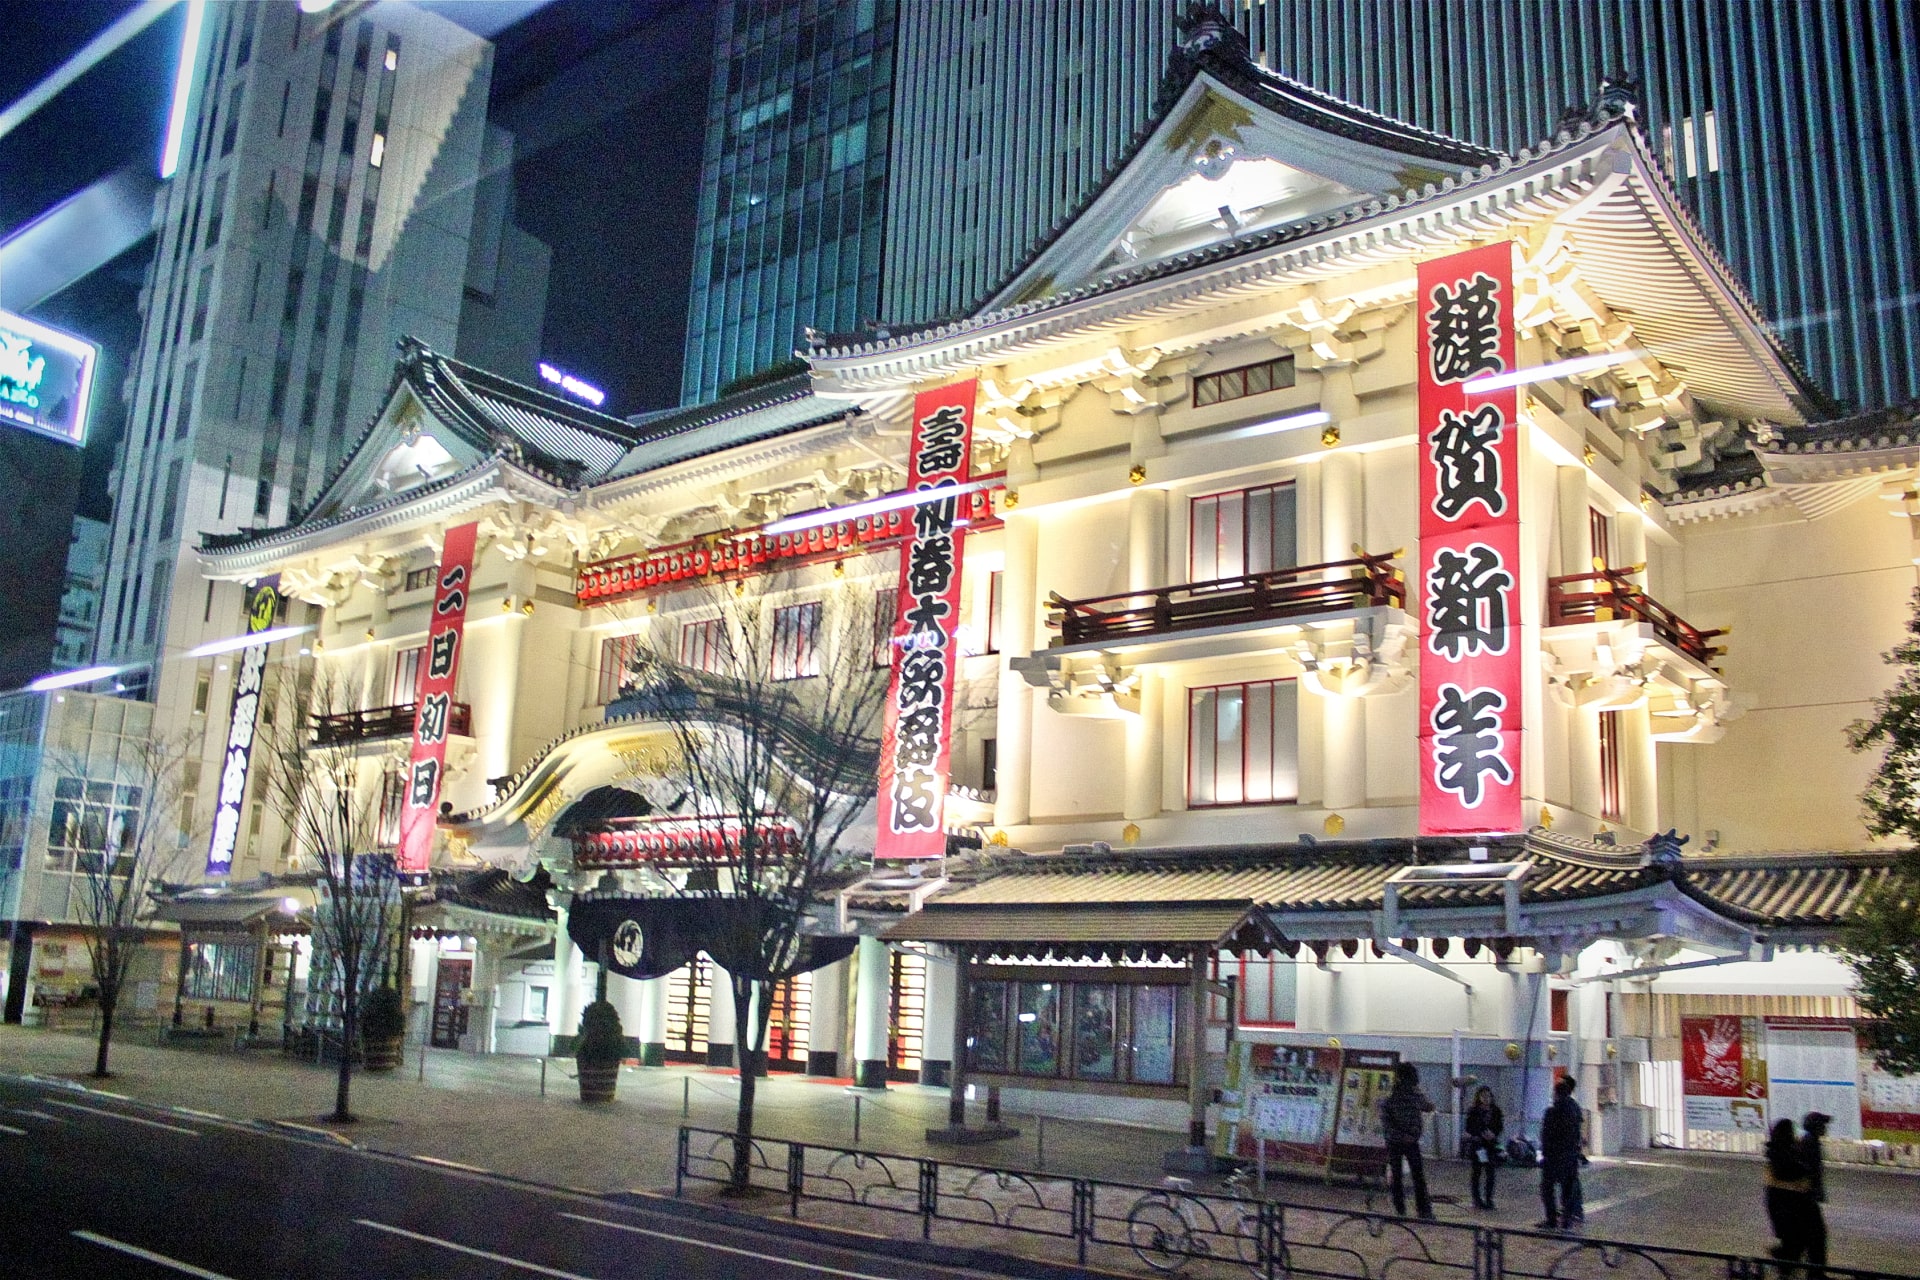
[572, 386]
[46, 379]
[263, 601]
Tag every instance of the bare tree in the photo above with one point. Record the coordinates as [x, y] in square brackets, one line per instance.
[124, 854]
[330, 791]
[776, 714]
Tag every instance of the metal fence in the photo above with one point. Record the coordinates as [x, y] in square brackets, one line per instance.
[1180, 1229]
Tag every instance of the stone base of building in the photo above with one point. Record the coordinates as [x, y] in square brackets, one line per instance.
[823, 1063]
[871, 1073]
[935, 1072]
[653, 1054]
[719, 1055]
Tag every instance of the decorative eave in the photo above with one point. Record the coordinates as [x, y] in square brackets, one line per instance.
[245, 557]
[1814, 469]
[732, 457]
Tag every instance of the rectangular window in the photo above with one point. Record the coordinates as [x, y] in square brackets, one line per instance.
[886, 612]
[404, 687]
[393, 799]
[703, 645]
[216, 213]
[1242, 744]
[220, 970]
[1612, 805]
[420, 579]
[1247, 380]
[1037, 1043]
[1266, 990]
[1600, 537]
[536, 1006]
[378, 154]
[1710, 135]
[847, 147]
[616, 655]
[994, 584]
[796, 635]
[1246, 531]
[231, 133]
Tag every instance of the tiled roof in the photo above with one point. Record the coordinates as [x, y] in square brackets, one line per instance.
[1806, 891]
[498, 893]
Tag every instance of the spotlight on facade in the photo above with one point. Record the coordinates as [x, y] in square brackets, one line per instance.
[247, 641]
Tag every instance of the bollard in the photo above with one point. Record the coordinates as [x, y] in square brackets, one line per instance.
[1040, 1143]
[543, 1075]
[686, 1097]
[856, 1119]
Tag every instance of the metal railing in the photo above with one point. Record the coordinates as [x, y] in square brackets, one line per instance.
[1254, 597]
[1176, 1228]
[1607, 594]
[383, 722]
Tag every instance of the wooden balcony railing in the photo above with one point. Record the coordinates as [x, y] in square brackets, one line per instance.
[1255, 597]
[1606, 594]
[383, 722]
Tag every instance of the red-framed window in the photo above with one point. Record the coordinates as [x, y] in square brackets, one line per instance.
[1600, 535]
[703, 644]
[405, 685]
[1267, 991]
[886, 612]
[393, 796]
[796, 641]
[1241, 531]
[994, 585]
[616, 655]
[1246, 380]
[1243, 744]
[1612, 803]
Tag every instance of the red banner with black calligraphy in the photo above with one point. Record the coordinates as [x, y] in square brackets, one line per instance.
[1469, 464]
[433, 702]
[916, 742]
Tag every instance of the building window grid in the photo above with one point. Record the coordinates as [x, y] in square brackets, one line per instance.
[1242, 531]
[703, 645]
[1245, 380]
[1242, 744]
[616, 657]
[220, 970]
[796, 641]
[404, 687]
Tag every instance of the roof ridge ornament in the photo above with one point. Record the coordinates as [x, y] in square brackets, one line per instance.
[1619, 97]
[1205, 26]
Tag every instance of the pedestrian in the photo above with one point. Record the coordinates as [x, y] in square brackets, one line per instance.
[1812, 1160]
[1403, 1119]
[1484, 1123]
[1789, 1193]
[1560, 1158]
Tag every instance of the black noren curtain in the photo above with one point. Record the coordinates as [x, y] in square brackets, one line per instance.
[651, 937]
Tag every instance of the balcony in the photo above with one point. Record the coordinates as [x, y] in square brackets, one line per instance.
[1606, 595]
[375, 723]
[1612, 647]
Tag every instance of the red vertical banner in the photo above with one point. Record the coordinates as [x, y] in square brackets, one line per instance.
[1469, 547]
[433, 703]
[916, 742]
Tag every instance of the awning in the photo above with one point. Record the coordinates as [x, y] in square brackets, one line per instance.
[223, 913]
[1017, 928]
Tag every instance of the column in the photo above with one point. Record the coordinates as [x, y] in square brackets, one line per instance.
[1343, 721]
[872, 999]
[1146, 751]
[628, 996]
[827, 1021]
[566, 1003]
[936, 1049]
[652, 1026]
[722, 1032]
[957, 1077]
[1146, 539]
[1018, 619]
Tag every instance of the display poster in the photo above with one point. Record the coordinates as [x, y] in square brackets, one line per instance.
[916, 739]
[1469, 465]
[1359, 1142]
[250, 669]
[1813, 1065]
[1285, 1096]
[433, 704]
[1889, 1104]
[1723, 1083]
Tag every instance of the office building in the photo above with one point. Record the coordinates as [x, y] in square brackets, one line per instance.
[80, 596]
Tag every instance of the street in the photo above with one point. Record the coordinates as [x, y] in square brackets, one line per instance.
[98, 1186]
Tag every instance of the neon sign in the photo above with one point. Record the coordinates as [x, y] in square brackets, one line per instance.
[46, 379]
[573, 386]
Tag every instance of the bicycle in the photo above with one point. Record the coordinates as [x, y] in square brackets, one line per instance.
[1169, 1227]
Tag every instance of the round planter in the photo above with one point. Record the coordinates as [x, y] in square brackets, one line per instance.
[597, 1080]
[382, 1054]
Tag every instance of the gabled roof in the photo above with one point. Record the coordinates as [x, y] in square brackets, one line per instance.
[1816, 468]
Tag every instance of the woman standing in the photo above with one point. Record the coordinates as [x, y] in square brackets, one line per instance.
[1789, 1193]
[1484, 1123]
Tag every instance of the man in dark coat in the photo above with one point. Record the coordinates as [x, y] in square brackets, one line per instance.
[1560, 1158]
[1403, 1119]
[1814, 1128]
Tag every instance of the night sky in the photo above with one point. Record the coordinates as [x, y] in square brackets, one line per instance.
[607, 99]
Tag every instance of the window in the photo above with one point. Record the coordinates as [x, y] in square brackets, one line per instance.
[1266, 990]
[202, 689]
[994, 584]
[1243, 532]
[886, 613]
[1247, 380]
[847, 147]
[393, 798]
[1612, 805]
[419, 579]
[220, 970]
[1081, 1029]
[796, 635]
[1241, 744]
[1600, 537]
[405, 685]
[616, 655]
[536, 1006]
[703, 645]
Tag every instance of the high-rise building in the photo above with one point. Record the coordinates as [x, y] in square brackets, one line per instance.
[80, 594]
[793, 186]
[324, 207]
[1770, 117]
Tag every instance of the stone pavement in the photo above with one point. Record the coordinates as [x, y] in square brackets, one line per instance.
[491, 1113]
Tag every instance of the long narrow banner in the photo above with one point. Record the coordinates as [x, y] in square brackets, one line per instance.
[263, 601]
[916, 743]
[433, 702]
[1469, 548]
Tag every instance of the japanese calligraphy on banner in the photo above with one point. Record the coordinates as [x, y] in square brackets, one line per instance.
[433, 702]
[263, 601]
[916, 741]
[1469, 548]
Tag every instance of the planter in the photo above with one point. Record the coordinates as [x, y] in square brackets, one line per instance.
[382, 1054]
[597, 1080]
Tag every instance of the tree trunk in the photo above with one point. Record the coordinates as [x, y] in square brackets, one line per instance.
[349, 1028]
[109, 998]
[748, 1057]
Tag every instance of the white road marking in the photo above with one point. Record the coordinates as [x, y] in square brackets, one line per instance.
[39, 1115]
[18, 1133]
[470, 1251]
[116, 1115]
[750, 1253]
[134, 1250]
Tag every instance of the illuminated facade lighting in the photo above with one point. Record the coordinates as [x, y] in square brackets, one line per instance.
[1542, 372]
[68, 679]
[875, 506]
[1293, 422]
[230, 643]
[183, 87]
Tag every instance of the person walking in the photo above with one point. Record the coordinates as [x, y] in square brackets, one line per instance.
[1403, 1119]
[1560, 1159]
[1814, 1128]
[1484, 1123]
[1789, 1193]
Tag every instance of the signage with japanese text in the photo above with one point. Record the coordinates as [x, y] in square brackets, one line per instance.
[250, 668]
[433, 702]
[916, 741]
[46, 379]
[1469, 460]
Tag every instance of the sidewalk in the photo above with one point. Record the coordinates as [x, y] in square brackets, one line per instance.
[489, 1113]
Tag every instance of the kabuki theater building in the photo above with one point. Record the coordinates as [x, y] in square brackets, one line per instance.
[1397, 601]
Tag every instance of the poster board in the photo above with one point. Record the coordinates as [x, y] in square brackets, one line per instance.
[1741, 1074]
[1282, 1097]
[1813, 1064]
[1359, 1146]
[1723, 1084]
[1889, 1104]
